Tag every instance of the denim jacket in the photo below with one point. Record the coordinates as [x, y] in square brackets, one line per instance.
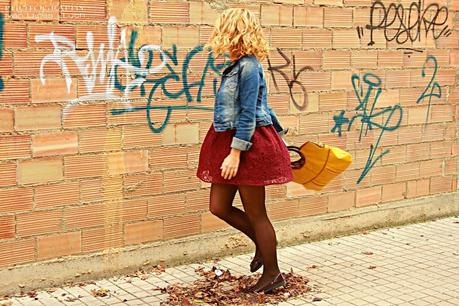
[241, 102]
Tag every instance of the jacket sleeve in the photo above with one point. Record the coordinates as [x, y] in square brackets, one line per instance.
[276, 123]
[248, 94]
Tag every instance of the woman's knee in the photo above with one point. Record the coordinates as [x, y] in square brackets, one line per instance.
[217, 210]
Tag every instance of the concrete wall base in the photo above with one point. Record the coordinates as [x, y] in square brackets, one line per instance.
[74, 269]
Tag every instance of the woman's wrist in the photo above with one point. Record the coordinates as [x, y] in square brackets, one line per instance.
[235, 152]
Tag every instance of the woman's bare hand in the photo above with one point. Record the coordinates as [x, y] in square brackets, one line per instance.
[230, 164]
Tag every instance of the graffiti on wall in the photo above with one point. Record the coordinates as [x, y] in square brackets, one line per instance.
[368, 117]
[367, 114]
[406, 24]
[123, 70]
[432, 89]
[292, 80]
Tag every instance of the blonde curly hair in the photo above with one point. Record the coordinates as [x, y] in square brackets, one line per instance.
[238, 31]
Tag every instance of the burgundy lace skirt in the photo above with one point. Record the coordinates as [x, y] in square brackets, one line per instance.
[266, 163]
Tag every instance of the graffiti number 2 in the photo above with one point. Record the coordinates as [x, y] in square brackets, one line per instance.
[432, 89]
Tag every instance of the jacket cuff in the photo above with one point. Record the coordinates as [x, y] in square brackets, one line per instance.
[240, 144]
[283, 132]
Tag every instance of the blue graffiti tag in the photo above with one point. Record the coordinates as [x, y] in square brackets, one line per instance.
[170, 61]
[432, 86]
[368, 115]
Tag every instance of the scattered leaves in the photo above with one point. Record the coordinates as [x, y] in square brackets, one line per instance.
[372, 267]
[313, 266]
[367, 253]
[317, 299]
[73, 298]
[220, 287]
[102, 292]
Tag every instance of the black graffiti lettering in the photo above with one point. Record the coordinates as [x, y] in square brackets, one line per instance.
[291, 82]
[403, 25]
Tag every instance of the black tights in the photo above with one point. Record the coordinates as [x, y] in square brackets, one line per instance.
[254, 222]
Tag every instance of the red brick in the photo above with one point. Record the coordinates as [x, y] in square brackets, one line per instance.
[127, 162]
[345, 38]
[312, 205]
[308, 16]
[440, 149]
[15, 200]
[15, 92]
[83, 10]
[211, 223]
[336, 59]
[187, 133]
[390, 59]
[5, 8]
[418, 151]
[338, 17]
[90, 215]
[57, 195]
[368, 196]
[166, 205]
[332, 101]
[383, 175]
[101, 238]
[99, 36]
[15, 36]
[134, 210]
[181, 226]
[316, 80]
[341, 80]
[53, 90]
[6, 64]
[454, 57]
[34, 30]
[54, 144]
[183, 37]
[418, 188]
[27, 64]
[91, 190]
[84, 166]
[13, 147]
[440, 184]
[314, 124]
[397, 79]
[442, 113]
[182, 180]
[6, 120]
[140, 136]
[317, 39]
[170, 12]
[197, 200]
[341, 201]
[144, 231]
[127, 11]
[59, 245]
[430, 168]
[276, 15]
[100, 139]
[8, 177]
[414, 60]
[284, 209]
[394, 192]
[39, 223]
[364, 59]
[7, 227]
[40, 171]
[286, 37]
[37, 118]
[143, 185]
[169, 158]
[85, 116]
[17, 252]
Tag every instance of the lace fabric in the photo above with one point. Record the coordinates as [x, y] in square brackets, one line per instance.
[266, 163]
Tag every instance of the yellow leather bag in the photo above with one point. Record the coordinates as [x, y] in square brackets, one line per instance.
[318, 164]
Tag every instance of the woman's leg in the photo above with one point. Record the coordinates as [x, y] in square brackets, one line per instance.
[253, 199]
[221, 205]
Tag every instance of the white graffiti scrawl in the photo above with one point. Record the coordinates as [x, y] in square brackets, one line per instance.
[99, 64]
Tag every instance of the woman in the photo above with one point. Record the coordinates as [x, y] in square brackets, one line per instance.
[243, 149]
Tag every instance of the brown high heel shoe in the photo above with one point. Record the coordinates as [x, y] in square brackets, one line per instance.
[278, 281]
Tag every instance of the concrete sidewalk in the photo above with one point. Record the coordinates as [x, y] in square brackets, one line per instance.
[412, 265]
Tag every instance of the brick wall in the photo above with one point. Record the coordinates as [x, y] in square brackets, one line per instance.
[104, 105]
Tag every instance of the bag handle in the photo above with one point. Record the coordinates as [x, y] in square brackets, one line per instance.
[297, 164]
